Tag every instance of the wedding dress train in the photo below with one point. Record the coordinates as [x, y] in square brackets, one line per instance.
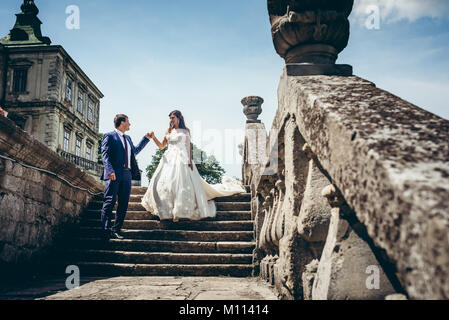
[176, 192]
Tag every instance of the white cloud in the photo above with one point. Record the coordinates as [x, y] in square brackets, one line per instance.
[396, 10]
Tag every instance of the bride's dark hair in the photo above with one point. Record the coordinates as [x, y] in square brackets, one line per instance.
[182, 124]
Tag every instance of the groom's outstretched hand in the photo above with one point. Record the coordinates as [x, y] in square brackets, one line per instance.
[149, 135]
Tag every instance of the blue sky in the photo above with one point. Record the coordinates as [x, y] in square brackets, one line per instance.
[149, 57]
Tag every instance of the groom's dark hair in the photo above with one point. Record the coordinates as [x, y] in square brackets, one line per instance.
[119, 119]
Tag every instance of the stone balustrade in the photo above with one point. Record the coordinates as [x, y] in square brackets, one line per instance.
[349, 188]
[388, 162]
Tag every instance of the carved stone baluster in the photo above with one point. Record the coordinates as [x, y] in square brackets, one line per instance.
[267, 204]
[314, 217]
[270, 241]
[348, 268]
[277, 231]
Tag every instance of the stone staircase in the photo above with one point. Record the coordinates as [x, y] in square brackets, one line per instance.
[214, 247]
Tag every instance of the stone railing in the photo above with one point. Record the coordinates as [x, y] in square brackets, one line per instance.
[37, 208]
[388, 164]
[350, 188]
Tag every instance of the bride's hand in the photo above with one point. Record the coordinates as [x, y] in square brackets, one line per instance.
[191, 165]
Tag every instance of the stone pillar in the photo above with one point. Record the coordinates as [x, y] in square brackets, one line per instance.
[309, 35]
[254, 149]
[254, 154]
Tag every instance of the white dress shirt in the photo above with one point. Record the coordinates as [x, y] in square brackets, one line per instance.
[129, 146]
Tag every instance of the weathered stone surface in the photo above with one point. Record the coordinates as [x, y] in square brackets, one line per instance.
[267, 268]
[254, 150]
[396, 297]
[389, 159]
[294, 256]
[345, 265]
[302, 69]
[146, 288]
[35, 207]
[314, 218]
[20, 146]
[308, 277]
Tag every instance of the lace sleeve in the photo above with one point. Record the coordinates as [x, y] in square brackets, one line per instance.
[188, 147]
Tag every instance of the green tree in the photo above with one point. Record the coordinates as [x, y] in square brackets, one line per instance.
[208, 167]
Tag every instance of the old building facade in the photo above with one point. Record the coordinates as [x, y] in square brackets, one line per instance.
[48, 94]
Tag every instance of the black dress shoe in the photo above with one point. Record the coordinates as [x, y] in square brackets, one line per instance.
[115, 235]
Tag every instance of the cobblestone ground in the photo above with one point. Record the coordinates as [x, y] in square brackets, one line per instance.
[147, 288]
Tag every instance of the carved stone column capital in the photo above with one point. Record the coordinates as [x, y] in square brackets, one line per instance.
[311, 33]
[252, 108]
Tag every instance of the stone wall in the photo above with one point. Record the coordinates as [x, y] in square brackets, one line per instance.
[36, 208]
[356, 207]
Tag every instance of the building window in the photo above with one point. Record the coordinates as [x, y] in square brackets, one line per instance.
[89, 152]
[80, 102]
[90, 112]
[68, 91]
[78, 148]
[66, 140]
[20, 80]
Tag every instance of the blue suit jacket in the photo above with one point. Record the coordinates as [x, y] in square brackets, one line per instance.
[113, 154]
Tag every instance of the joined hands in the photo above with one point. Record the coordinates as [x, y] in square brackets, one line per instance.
[150, 135]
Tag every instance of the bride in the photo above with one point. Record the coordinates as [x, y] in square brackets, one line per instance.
[176, 190]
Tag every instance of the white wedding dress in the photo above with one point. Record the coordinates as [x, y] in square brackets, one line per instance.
[176, 192]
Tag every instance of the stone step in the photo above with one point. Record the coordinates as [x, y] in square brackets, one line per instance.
[159, 257]
[138, 190]
[142, 190]
[143, 215]
[242, 225]
[132, 206]
[233, 206]
[130, 215]
[244, 197]
[166, 246]
[221, 206]
[175, 235]
[122, 269]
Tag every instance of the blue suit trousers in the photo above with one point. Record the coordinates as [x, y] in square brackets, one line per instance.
[120, 190]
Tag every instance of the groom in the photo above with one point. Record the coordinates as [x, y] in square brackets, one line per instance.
[120, 167]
